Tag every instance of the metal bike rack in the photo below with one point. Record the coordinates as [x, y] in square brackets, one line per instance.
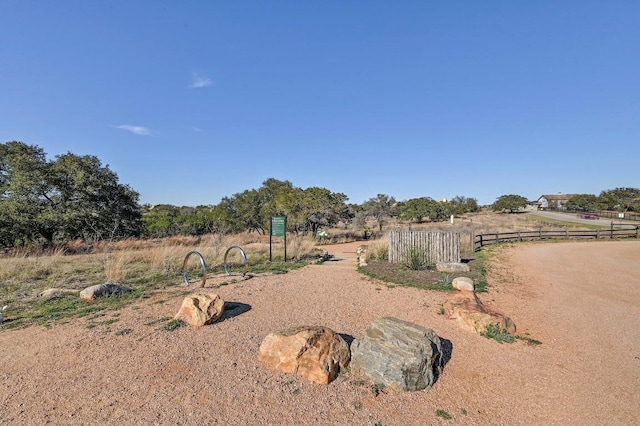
[204, 268]
[244, 256]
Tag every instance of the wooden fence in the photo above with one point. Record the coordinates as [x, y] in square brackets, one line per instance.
[484, 239]
[616, 215]
[437, 246]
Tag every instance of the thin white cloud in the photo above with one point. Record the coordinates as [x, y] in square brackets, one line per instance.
[198, 81]
[196, 129]
[136, 130]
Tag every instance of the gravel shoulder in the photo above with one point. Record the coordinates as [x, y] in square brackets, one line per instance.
[579, 299]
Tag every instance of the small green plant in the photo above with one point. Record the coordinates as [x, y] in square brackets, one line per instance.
[154, 322]
[445, 279]
[377, 389]
[498, 334]
[416, 259]
[464, 412]
[481, 287]
[441, 310]
[529, 340]
[123, 332]
[172, 325]
[357, 405]
[443, 414]
[344, 371]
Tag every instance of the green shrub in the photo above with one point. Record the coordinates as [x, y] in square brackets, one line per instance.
[443, 414]
[173, 325]
[498, 334]
[416, 259]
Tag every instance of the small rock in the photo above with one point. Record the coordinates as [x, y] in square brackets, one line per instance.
[452, 267]
[52, 293]
[313, 352]
[100, 290]
[463, 283]
[200, 309]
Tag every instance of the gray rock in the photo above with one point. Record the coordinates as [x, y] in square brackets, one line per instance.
[463, 283]
[398, 354]
[452, 267]
[100, 290]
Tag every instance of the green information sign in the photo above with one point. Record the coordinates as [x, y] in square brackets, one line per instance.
[278, 226]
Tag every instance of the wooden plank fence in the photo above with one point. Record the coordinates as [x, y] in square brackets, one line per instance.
[437, 246]
[482, 240]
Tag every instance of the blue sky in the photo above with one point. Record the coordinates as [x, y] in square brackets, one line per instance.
[191, 101]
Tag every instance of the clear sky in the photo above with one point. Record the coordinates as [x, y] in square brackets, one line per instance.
[191, 101]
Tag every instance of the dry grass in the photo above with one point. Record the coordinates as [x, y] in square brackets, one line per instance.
[142, 265]
[153, 264]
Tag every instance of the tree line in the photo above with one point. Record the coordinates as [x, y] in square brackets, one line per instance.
[76, 197]
[70, 197]
[617, 199]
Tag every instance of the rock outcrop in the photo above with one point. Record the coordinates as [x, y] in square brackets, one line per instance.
[398, 354]
[200, 309]
[313, 352]
[470, 313]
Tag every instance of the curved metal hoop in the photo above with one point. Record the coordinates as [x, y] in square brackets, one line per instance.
[204, 268]
[244, 256]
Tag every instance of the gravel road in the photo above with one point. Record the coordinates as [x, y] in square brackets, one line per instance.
[580, 300]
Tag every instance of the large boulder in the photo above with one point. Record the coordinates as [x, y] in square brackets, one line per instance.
[470, 314]
[101, 290]
[201, 308]
[313, 352]
[398, 354]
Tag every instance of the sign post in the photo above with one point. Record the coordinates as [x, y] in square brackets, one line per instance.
[278, 229]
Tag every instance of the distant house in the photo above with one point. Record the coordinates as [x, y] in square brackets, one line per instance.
[533, 205]
[553, 202]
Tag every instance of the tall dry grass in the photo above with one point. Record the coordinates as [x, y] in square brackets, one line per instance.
[153, 263]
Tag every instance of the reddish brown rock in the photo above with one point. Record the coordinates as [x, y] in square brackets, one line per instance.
[470, 314]
[201, 309]
[313, 352]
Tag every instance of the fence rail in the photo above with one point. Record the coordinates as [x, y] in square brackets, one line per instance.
[617, 215]
[482, 240]
[435, 246]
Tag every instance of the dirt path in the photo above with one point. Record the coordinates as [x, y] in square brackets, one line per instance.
[579, 299]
